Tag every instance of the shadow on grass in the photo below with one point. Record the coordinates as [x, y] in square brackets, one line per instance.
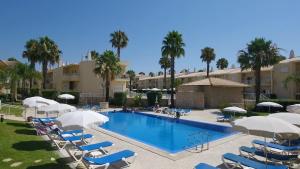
[25, 131]
[32, 146]
[60, 163]
[18, 124]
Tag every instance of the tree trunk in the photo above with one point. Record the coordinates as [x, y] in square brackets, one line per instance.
[165, 78]
[207, 69]
[172, 80]
[107, 86]
[32, 65]
[45, 68]
[257, 84]
[118, 52]
[130, 87]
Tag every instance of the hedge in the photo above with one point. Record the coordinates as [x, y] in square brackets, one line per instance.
[152, 96]
[5, 98]
[34, 92]
[120, 98]
[50, 94]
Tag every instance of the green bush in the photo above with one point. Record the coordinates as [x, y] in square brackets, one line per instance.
[152, 97]
[120, 98]
[5, 98]
[34, 92]
[50, 94]
[73, 101]
[137, 100]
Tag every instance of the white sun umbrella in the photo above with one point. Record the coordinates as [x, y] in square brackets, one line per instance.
[81, 119]
[36, 102]
[292, 118]
[57, 108]
[266, 126]
[269, 104]
[66, 97]
[155, 89]
[234, 110]
[295, 108]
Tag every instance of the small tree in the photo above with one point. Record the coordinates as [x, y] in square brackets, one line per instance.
[207, 55]
[107, 67]
[131, 75]
[222, 63]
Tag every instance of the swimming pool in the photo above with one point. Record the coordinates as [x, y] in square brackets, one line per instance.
[168, 134]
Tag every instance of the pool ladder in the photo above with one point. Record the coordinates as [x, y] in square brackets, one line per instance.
[199, 137]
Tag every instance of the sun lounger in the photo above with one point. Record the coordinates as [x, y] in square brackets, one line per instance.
[204, 166]
[106, 161]
[232, 161]
[251, 152]
[62, 141]
[224, 118]
[277, 147]
[90, 149]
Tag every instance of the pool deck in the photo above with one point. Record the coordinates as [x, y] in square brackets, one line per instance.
[153, 158]
[150, 158]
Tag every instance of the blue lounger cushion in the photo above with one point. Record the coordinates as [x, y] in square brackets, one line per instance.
[250, 163]
[112, 158]
[204, 166]
[71, 132]
[76, 138]
[95, 146]
[276, 146]
[261, 153]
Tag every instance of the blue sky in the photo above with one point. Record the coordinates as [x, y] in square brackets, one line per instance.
[78, 26]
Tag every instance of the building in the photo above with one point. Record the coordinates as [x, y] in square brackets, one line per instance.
[81, 78]
[272, 79]
[210, 93]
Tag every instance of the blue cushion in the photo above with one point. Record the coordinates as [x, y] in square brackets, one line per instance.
[95, 146]
[261, 153]
[71, 132]
[276, 146]
[112, 158]
[250, 163]
[76, 138]
[204, 166]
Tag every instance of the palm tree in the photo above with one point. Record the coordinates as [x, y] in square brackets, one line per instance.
[222, 63]
[142, 73]
[258, 53]
[165, 64]
[119, 40]
[131, 75]
[107, 67]
[151, 74]
[31, 52]
[207, 55]
[173, 47]
[159, 73]
[48, 53]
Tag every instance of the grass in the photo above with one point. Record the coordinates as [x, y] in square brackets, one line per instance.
[20, 144]
[11, 110]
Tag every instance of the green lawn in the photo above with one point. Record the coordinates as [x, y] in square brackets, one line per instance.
[11, 110]
[19, 143]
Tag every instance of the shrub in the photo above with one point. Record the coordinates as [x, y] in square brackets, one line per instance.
[50, 94]
[34, 92]
[120, 98]
[152, 96]
[72, 101]
[5, 98]
[137, 100]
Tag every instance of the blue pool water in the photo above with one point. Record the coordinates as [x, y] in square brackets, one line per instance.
[168, 134]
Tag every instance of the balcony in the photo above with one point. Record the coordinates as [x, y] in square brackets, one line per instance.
[71, 76]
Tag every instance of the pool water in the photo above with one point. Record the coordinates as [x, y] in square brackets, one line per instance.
[168, 134]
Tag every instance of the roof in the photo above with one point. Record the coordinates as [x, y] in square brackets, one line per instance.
[8, 63]
[216, 82]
